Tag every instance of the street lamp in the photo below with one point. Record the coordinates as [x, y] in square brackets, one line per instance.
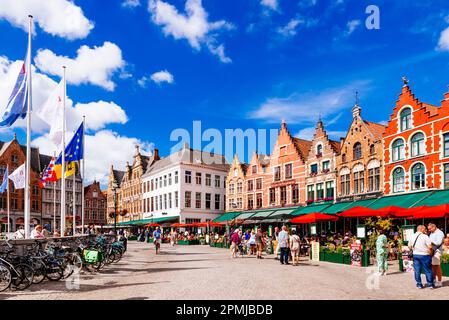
[114, 189]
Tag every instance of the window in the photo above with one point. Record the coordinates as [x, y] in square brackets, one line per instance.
[152, 204]
[250, 185]
[343, 157]
[320, 191]
[288, 171]
[311, 193]
[176, 199]
[345, 184]
[398, 180]
[165, 180]
[169, 200]
[239, 187]
[188, 177]
[217, 181]
[217, 202]
[372, 150]
[160, 182]
[169, 179]
[208, 200]
[277, 173]
[231, 188]
[283, 151]
[176, 177]
[314, 168]
[374, 179]
[283, 195]
[259, 200]
[418, 144]
[208, 179]
[398, 150]
[239, 203]
[272, 195]
[14, 158]
[254, 169]
[250, 202]
[2, 169]
[188, 199]
[165, 201]
[198, 178]
[418, 177]
[446, 145]
[160, 203]
[406, 119]
[329, 190]
[259, 183]
[295, 193]
[319, 150]
[357, 150]
[446, 176]
[326, 166]
[359, 179]
[152, 185]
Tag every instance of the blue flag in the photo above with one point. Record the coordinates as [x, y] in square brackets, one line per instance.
[17, 102]
[4, 185]
[74, 150]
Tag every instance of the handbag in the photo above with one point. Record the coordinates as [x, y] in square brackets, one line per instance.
[410, 253]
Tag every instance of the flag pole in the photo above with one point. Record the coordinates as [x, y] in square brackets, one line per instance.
[54, 203]
[74, 201]
[7, 205]
[28, 154]
[82, 177]
[63, 159]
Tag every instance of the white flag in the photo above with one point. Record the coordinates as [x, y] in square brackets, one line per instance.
[18, 177]
[52, 113]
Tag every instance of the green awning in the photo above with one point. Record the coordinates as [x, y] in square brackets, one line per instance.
[280, 215]
[336, 208]
[404, 200]
[262, 214]
[245, 215]
[361, 203]
[310, 209]
[434, 199]
[227, 216]
[146, 221]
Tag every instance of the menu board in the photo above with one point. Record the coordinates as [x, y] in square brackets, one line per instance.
[315, 251]
[356, 254]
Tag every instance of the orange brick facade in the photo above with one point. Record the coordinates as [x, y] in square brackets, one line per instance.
[416, 145]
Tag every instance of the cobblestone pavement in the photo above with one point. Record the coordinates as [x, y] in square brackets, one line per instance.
[202, 272]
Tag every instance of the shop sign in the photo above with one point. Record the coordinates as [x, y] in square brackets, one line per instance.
[315, 251]
[356, 254]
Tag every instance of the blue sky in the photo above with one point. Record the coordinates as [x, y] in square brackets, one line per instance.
[231, 64]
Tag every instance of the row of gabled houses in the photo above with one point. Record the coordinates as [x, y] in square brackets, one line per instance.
[407, 155]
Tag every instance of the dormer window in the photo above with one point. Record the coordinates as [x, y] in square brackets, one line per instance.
[319, 150]
[254, 169]
[14, 158]
[406, 119]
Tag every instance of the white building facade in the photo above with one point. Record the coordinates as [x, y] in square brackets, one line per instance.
[187, 186]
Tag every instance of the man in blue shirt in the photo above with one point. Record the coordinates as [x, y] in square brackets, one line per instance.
[157, 238]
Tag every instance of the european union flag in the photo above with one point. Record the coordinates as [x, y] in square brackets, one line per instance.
[74, 150]
[4, 185]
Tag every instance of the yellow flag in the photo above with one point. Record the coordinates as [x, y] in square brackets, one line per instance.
[69, 169]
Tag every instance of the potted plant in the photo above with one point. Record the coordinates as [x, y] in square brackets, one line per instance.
[445, 264]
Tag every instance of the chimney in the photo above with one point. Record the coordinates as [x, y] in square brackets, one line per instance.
[156, 154]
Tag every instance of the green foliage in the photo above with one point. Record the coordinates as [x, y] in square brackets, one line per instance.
[445, 258]
[374, 225]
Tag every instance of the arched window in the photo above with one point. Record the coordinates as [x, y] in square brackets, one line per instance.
[398, 150]
[418, 176]
[406, 119]
[357, 150]
[343, 157]
[319, 150]
[398, 180]
[372, 150]
[418, 144]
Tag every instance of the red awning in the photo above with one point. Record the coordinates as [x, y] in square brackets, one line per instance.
[4, 220]
[313, 218]
[153, 225]
[423, 212]
[182, 225]
[362, 212]
[211, 224]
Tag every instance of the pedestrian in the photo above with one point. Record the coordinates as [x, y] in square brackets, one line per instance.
[147, 235]
[437, 238]
[276, 243]
[45, 231]
[235, 241]
[252, 243]
[37, 232]
[172, 237]
[20, 233]
[445, 246]
[283, 243]
[422, 259]
[382, 253]
[259, 243]
[295, 242]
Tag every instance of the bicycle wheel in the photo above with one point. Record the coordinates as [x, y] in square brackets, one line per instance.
[54, 271]
[67, 267]
[24, 277]
[5, 277]
[39, 271]
[77, 262]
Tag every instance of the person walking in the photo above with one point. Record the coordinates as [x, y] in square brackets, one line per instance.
[422, 259]
[437, 238]
[235, 241]
[382, 253]
[295, 242]
[37, 233]
[276, 243]
[283, 243]
[259, 243]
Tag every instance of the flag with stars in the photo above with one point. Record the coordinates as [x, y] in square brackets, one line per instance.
[73, 153]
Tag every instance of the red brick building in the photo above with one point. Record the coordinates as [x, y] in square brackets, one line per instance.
[416, 145]
[95, 205]
[255, 180]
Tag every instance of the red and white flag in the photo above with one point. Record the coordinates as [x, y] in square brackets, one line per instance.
[49, 174]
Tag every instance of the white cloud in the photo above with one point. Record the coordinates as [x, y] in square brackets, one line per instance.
[443, 43]
[162, 76]
[131, 3]
[307, 133]
[103, 148]
[270, 4]
[290, 29]
[94, 65]
[306, 107]
[351, 26]
[192, 26]
[60, 18]
[98, 114]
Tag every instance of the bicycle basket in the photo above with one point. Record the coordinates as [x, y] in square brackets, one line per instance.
[92, 256]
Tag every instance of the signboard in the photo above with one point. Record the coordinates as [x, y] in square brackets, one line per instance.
[407, 265]
[315, 251]
[313, 229]
[408, 232]
[356, 254]
[361, 231]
